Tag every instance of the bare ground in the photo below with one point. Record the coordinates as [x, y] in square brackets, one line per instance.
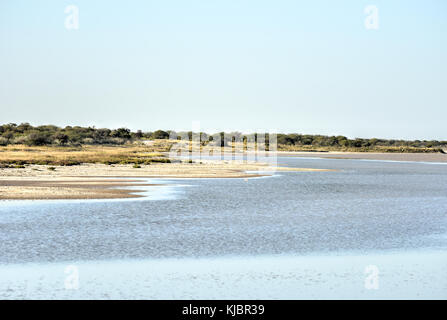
[84, 181]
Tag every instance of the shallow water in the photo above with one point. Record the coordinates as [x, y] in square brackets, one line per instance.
[408, 275]
[365, 207]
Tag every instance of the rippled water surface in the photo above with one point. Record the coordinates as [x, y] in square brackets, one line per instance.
[365, 206]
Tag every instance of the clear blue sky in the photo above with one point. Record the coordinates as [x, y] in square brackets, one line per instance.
[294, 66]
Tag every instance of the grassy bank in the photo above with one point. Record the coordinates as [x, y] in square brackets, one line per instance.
[20, 155]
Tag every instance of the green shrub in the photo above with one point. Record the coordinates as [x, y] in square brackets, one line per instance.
[3, 141]
[37, 139]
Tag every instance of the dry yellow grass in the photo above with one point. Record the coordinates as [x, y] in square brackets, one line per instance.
[21, 155]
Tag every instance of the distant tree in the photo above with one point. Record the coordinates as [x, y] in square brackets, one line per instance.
[121, 133]
[61, 137]
[307, 140]
[37, 139]
[23, 127]
[160, 134]
[8, 135]
[357, 143]
[139, 134]
[101, 136]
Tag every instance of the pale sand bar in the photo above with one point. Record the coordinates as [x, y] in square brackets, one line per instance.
[419, 157]
[83, 182]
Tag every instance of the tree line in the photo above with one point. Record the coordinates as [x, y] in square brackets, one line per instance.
[52, 135]
[75, 136]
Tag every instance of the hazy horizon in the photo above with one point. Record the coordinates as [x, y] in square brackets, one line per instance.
[309, 67]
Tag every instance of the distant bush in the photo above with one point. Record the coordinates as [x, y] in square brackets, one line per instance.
[88, 141]
[20, 140]
[123, 133]
[61, 138]
[160, 134]
[37, 139]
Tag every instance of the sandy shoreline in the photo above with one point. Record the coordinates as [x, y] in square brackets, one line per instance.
[418, 157]
[87, 181]
[68, 188]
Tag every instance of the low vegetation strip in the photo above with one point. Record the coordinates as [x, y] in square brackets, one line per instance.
[49, 135]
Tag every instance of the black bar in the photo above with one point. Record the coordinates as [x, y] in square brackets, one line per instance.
[229, 309]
